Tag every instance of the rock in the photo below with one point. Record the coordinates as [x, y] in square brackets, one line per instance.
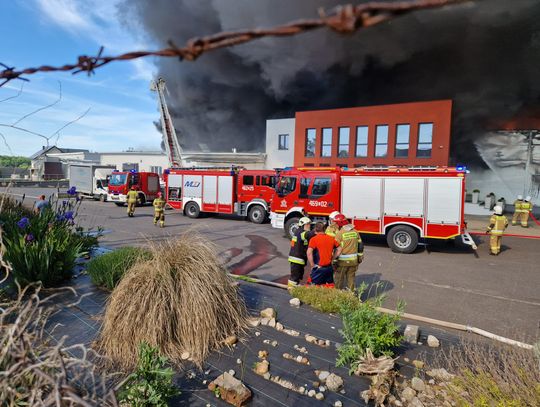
[411, 333]
[230, 340]
[440, 374]
[418, 364]
[267, 376]
[323, 375]
[408, 394]
[291, 332]
[305, 361]
[185, 356]
[327, 342]
[433, 342]
[321, 342]
[254, 322]
[418, 384]
[232, 390]
[322, 389]
[431, 381]
[262, 367]
[272, 323]
[265, 321]
[407, 360]
[338, 404]
[295, 302]
[267, 341]
[311, 339]
[398, 403]
[311, 393]
[263, 354]
[257, 333]
[334, 382]
[319, 396]
[415, 402]
[274, 343]
[302, 390]
[238, 361]
[268, 313]
[299, 359]
[232, 372]
[279, 327]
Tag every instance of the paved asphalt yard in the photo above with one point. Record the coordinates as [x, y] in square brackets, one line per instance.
[442, 280]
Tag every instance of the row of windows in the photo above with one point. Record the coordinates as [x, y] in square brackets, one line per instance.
[402, 145]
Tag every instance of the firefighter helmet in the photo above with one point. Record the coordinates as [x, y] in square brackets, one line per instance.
[333, 215]
[341, 220]
[133, 188]
[520, 197]
[304, 221]
[159, 194]
[497, 209]
[528, 199]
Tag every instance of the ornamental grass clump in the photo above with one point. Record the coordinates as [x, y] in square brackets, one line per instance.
[179, 301]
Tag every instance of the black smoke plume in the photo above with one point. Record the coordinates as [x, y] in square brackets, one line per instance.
[485, 55]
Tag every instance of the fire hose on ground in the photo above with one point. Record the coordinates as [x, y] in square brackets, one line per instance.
[431, 321]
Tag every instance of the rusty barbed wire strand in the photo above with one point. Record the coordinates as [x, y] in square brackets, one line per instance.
[342, 19]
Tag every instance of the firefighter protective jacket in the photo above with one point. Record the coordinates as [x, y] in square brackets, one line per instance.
[352, 252]
[497, 224]
[299, 245]
[526, 206]
[517, 205]
[132, 196]
[332, 230]
[159, 204]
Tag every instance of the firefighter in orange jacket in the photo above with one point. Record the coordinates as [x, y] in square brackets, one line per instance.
[132, 198]
[297, 254]
[497, 224]
[350, 255]
[159, 210]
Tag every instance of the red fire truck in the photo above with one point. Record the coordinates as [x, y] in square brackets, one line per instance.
[402, 203]
[220, 190]
[147, 184]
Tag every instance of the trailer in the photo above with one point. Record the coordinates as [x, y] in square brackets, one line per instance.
[220, 190]
[404, 204]
[90, 179]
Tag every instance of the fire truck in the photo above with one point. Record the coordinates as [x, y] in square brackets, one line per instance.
[120, 182]
[402, 203]
[228, 190]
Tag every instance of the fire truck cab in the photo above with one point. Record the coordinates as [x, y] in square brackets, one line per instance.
[402, 203]
[120, 182]
[220, 190]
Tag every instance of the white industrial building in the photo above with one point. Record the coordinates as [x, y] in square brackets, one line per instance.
[146, 161]
[279, 143]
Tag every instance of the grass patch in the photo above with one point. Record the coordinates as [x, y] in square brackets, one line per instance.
[325, 299]
[108, 269]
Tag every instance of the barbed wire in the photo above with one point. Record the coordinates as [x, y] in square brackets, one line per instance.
[342, 19]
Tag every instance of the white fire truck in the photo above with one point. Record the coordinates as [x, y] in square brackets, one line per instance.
[402, 203]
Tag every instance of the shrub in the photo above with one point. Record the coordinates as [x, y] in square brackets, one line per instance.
[151, 384]
[108, 269]
[365, 327]
[325, 299]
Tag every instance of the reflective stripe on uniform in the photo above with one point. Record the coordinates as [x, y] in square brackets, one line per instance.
[497, 232]
[349, 235]
[348, 256]
[296, 260]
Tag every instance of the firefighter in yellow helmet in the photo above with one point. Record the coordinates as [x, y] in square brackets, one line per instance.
[297, 254]
[159, 210]
[349, 254]
[332, 228]
[526, 208]
[497, 224]
[132, 198]
[517, 210]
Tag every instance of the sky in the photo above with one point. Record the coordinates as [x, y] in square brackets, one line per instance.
[121, 106]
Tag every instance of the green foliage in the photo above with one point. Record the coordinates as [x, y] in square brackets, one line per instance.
[152, 383]
[365, 327]
[14, 161]
[108, 269]
[326, 299]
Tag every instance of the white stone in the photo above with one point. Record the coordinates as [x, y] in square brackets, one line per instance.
[415, 402]
[334, 382]
[238, 361]
[254, 322]
[408, 394]
[257, 333]
[433, 342]
[319, 396]
[295, 302]
[268, 313]
[311, 393]
[267, 376]
[279, 327]
[272, 323]
[323, 375]
[274, 343]
[338, 404]
[322, 389]
[418, 384]
[311, 339]
[232, 372]
[265, 321]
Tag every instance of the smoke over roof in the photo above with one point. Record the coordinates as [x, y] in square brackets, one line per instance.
[484, 55]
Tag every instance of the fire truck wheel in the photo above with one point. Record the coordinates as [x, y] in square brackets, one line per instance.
[119, 203]
[257, 214]
[192, 210]
[402, 239]
[102, 197]
[291, 227]
[142, 199]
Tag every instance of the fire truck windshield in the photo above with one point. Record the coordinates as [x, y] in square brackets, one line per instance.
[286, 185]
[117, 179]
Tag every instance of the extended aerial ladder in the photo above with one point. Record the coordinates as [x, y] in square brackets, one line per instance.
[172, 146]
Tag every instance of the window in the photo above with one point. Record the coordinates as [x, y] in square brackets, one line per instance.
[247, 180]
[156, 169]
[309, 165]
[311, 134]
[343, 165]
[304, 186]
[283, 143]
[344, 134]
[117, 179]
[402, 140]
[268, 181]
[425, 140]
[326, 145]
[321, 186]
[286, 185]
[381, 141]
[361, 141]
[359, 165]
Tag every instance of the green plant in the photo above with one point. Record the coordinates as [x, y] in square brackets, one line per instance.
[326, 299]
[152, 382]
[366, 327]
[108, 269]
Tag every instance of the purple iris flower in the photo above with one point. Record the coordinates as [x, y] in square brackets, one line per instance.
[23, 223]
[68, 215]
[60, 217]
[72, 191]
[29, 238]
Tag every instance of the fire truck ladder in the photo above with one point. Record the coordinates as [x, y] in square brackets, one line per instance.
[172, 146]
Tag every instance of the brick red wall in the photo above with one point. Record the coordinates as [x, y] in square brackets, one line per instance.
[436, 112]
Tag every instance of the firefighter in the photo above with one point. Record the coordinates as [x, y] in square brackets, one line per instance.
[497, 224]
[526, 208]
[350, 256]
[159, 210]
[332, 228]
[132, 199]
[297, 254]
[517, 210]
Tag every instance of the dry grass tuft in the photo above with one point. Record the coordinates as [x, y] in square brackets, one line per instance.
[180, 300]
[325, 299]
